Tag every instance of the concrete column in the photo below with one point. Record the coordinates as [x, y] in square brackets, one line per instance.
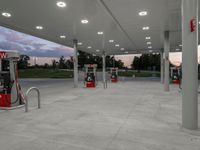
[161, 67]
[189, 65]
[166, 57]
[75, 63]
[104, 70]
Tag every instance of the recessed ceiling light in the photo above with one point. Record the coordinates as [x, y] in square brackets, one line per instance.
[6, 14]
[79, 43]
[84, 21]
[61, 4]
[89, 47]
[62, 36]
[177, 49]
[97, 50]
[111, 41]
[143, 13]
[150, 51]
[122, 49]
[100, 32]
[126, 52]
[145, 28]
[150, 47]
[180, 45]
[117, 45]
[148, 38]
[148, 43]
[39, 27]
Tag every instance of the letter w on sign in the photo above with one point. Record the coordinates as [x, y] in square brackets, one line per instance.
[3, 55]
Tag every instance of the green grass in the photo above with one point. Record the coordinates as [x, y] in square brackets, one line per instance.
[139, 74]
[45, 73]
[50, 73]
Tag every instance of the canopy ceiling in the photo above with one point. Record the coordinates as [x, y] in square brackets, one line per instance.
[118, 19]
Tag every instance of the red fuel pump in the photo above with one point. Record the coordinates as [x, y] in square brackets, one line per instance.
[90, 75]
[114, 75]
[10, 91]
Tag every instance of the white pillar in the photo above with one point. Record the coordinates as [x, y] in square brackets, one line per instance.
[189, 65]
[75, 64]
[161, 67]
[166, 57]
[104, 69]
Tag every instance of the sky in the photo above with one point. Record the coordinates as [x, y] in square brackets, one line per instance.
[30, 45]
[43, 51]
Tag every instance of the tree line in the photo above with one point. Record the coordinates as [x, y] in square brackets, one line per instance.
[149, 62]
[64, 63]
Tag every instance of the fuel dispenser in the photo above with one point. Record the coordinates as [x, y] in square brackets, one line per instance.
[10, 92]
[175, 73]
[90, 75]
[114, 75]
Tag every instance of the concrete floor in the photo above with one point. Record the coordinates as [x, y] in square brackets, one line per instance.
[134, 115]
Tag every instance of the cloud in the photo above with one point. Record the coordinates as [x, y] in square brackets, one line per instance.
[37, 46]
[10, 46]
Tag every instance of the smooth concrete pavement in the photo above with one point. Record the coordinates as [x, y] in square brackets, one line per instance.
[134, 115]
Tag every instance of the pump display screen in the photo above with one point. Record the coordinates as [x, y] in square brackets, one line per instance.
[5, 82]
[90, 77]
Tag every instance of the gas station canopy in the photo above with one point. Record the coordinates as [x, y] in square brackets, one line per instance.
[116, 26]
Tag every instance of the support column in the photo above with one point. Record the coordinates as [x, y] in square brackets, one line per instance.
[104, 70]
[189, 65]
[75, 63]
[161, 67]
[166, 57]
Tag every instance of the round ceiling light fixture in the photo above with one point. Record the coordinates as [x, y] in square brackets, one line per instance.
[62, 36]
[84, 21]
[145, 28]
[143, 13]
[148, 38]
[6, 14]
[148, 43]
[39, 27]
[100, 32]
[79, 43]
[61, 4]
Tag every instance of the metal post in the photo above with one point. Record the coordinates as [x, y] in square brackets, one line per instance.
[14, 93]
[0, 64]
[26, 98]
[75, 63]
[166, 57]
[190, 64]
[161, 67]
[104, 70]
[114, 61]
